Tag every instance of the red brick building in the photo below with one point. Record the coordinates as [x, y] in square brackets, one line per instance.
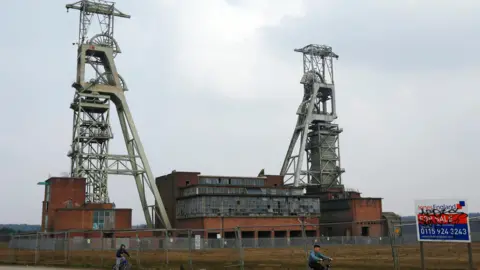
[348, 213]
[64, 208]
[263, 207]
[219, 204]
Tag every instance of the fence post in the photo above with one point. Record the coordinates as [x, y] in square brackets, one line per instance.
[422, 256]
[37, 245]
[11, 247]
[68, 247]
[137, 240]
[304, 238]
[272, 238]
[167, 243]
[102, 247]
[240, 247]
[394, 251]
[470, 257]
[65, 243]
[190, 263]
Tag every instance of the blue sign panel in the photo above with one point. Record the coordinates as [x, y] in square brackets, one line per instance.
[442, 221]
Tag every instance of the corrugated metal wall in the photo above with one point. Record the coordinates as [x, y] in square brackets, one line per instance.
[246, 206]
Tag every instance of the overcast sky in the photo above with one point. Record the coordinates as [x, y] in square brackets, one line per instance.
[214, 88]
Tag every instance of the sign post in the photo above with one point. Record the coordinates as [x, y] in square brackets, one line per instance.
[442, 220]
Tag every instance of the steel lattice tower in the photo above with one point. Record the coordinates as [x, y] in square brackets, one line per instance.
[92, 132]
[315, 135]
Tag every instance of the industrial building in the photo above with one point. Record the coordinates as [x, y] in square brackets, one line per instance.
[345, 213]
[64, 208]
[307, 191]
[262, 206]
[219, 204]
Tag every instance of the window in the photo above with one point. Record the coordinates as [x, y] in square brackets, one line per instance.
[365, 231]
[103, 219]
[47, 193]
[187, 183]
[46, 223]
[96, 220]
[256, 191]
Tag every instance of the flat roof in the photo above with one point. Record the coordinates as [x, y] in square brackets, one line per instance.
[221, 176]
[249, 195]
[91, 209]
[352, 199]
[234, 177]
[64, 178]
[242, 186]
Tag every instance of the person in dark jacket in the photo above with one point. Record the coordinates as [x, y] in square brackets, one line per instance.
[315, 257]
[119, 256]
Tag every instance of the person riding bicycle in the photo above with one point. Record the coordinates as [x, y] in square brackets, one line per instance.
[315, 257]
[119, 256]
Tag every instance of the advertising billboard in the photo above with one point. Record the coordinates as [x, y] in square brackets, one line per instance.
[444, 220]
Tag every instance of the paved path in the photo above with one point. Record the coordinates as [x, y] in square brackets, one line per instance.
[33, 268]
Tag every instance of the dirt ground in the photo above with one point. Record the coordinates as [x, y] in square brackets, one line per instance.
[437, 256]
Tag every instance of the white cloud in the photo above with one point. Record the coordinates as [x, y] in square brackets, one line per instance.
[217, 44]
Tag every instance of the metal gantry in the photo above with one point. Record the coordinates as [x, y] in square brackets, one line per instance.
[315, 135]
[90, 157]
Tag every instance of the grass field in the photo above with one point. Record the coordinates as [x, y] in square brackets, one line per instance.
[437, 256]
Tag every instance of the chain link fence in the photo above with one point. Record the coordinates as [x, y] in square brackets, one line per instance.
[4, 250]
[272, 247]
[406, 250]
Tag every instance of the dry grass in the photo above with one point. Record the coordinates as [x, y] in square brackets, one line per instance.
[438, 256]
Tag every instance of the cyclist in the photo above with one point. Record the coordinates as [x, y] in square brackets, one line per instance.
[315, 257]
[119, 256]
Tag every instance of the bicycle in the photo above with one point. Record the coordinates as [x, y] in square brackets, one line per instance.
[326, 264]
[124, 265]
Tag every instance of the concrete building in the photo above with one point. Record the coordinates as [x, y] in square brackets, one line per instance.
[258, 205]
[64, 208]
